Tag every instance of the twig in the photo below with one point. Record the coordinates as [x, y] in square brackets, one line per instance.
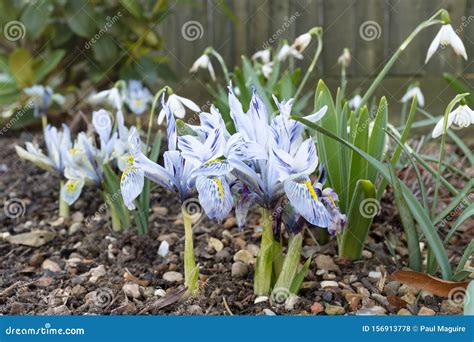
[227, 306]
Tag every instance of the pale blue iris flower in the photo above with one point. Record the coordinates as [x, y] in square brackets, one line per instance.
[137, 97]
[285, 166]
[42, 97]
[84, 162]
[179, 173]
[57, 145]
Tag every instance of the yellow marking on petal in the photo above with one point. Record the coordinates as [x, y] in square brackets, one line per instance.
[219, 186]
[71, 185]
[311, 190]
[212, 161]
[127, 170]
[332, 201]
[130, 160]
[73, 151]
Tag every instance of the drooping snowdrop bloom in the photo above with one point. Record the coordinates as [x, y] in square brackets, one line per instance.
[446, 36]
[57, 146]
[287, 51]
[262, 55]
[411, 92]
[462, 116]
[267, 70]
[177, 106]
[302, 42]
[113, 97]
[42, 97]
[345, 58]
[203, 62]
[355, 101]
[137, 97]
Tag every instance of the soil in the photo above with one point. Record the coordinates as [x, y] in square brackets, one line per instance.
[84, 268]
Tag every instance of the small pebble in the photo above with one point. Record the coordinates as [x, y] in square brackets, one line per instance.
[164, 248]
[173, 277]
[424, 311]
[260, 299]
[160, 293]
[329, 283]
[327, 296]
[131, 290]
[239, 269]
[50, 265]
[375, 275]
[74, 228]
[216, 244]
[269, 312]
[403, 312]
[373, 311]
[333, 310]
[244, 256]
[317, 308]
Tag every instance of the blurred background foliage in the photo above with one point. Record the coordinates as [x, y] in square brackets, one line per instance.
[74, 45]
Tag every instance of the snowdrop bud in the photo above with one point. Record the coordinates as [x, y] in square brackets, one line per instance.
[345, 59]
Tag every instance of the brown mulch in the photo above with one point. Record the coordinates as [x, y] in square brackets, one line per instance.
[83, 270]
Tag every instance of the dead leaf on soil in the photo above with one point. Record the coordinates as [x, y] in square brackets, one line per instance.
[421, 281]
[397, 302]
[33, 239]
[130, 277]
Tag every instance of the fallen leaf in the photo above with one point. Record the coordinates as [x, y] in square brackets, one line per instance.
[33, 239]
[397, 302]
[421, 281]
[130, 277]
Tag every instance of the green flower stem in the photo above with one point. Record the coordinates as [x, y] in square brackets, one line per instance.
[263, 266]
[44, 121]
[431, 21]
[63, 206]
[291, 264]
[318, 32]
[449, 108]
[343, 81]
[153, 109]
[219, 58]
[191, 271]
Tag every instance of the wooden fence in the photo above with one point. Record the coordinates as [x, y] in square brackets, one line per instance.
[244, 26]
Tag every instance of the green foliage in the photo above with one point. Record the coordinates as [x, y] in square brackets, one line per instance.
[67, 42]
[141, 215]
[113, 200]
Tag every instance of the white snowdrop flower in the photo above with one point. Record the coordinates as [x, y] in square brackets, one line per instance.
[267, 70]
[411, 92]
[355, 101]
[177, 106]
[203, 62]
[446, 36]
[462, 116]
[263, 55]
[287, 51]
[302, 42]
